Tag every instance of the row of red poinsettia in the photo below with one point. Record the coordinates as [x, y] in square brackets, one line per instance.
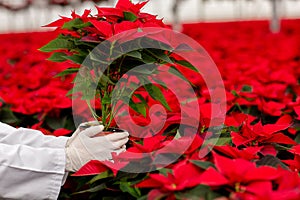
[257, 155]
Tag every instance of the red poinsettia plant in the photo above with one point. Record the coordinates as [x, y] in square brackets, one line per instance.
[256, 156]
[88, 40]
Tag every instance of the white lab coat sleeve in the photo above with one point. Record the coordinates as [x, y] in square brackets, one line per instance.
[30, 137]
[32, 165]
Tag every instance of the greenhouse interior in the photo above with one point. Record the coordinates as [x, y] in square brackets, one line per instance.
[150, 100]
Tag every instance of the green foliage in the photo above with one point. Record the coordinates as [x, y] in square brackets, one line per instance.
[247, 88]
[59, 43]
[203, 164]
[200, 191]
[75, 24]
[7, 116]
[129, 16]
[156, 94]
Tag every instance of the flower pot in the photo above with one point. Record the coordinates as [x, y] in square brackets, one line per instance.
[109, 131]
[104, 132]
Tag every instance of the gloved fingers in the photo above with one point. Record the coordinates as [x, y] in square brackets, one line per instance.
[103, 156]
[93, 130]
[86, 125]
[122, 149]
[117, 136]
[118, 144]
[73, 136]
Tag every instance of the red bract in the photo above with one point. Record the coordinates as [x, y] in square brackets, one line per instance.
[61, 132]
[59, 22]
[295, 163]
[95, 166]
[248, 153]
[184, 175]
[28, 84]
[297, 111]
[105, 28]
[127, 5]
[185, 145]
[286, 187]
[272, 107]
[237, 119]
[259, 134]
[37, 126]
[91, 168]
[108, 21]
[261, 82]
[149, 144]
[240, 175]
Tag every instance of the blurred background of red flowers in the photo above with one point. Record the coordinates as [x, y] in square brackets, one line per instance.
[258, 154]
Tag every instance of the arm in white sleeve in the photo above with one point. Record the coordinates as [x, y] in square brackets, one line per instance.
[30, 137]
[32, 165]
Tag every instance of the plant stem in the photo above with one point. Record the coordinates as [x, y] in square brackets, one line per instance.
[92, 110]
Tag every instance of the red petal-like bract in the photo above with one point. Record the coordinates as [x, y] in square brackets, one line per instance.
[91, 168]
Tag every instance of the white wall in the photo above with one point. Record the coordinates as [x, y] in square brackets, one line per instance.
[190, 10]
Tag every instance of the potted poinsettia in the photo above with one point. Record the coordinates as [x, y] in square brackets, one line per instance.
[96, 43]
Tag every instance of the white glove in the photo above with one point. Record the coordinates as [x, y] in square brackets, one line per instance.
[84, 146]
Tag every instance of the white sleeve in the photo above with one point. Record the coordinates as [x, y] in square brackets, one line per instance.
[32, 166]
[30, 137]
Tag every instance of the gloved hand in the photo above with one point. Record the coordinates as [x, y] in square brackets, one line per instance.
[84, 146]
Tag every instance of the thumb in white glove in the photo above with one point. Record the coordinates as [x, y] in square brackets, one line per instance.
[84, 146]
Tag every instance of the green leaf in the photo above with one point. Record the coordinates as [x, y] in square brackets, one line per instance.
[145, 197]
[223, 141]
[148, 58]
[196, 193]
[67, 72]
[93, 189]
[76, 23]
[7, 116]
[70, 24]
[147, 69]
[100, 176]
[202, 164]
[135, 54]
[104, 80]
[126, 187]
[187, 64]
[165, 171]
[129, 16]
[247, 88]
[281, 147]
[297, 139]
[78, 59]
[106, 99]
[54, 123]
[141, 108]
[57, 57]
[160, 82]
[175, 71]
[58, 44]
[138, 107]
[156, 94]
[234, 92]
[272, 161]
[183, 47]
[159, 54]
[69, 93]
[140, 97]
